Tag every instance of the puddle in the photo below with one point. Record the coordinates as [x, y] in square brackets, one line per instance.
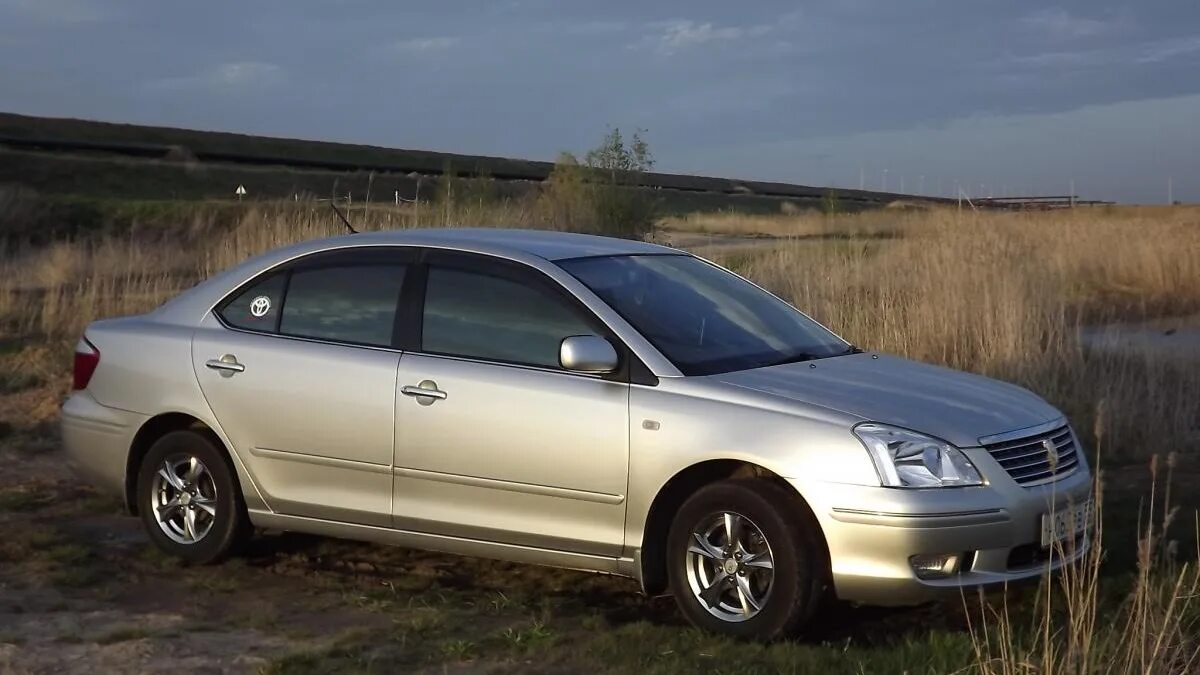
[1178, 336]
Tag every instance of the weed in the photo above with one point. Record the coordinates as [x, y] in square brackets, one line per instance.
[457, 650]
[535, 636]
[123, 634]
[24, 499]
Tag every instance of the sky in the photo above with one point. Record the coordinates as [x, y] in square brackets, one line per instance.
[993, 98]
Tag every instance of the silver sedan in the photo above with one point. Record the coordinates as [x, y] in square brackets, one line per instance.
[575, 401]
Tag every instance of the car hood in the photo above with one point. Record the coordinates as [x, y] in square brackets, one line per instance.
[955, 406]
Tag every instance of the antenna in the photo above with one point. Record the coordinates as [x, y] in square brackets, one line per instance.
[342, 217]
[333, 205]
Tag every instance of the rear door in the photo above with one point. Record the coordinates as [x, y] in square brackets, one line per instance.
[300, 370]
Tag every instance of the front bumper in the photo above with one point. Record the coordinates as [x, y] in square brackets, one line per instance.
[872, 533]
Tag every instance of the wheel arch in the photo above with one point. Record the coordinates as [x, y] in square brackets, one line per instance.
[148, 434]
[672, 495]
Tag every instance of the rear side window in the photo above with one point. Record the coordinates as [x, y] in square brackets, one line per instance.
[257, 307]
[495, 318]
[351, 303]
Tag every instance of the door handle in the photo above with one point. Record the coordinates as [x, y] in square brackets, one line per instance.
[426, 392]
[227, 365]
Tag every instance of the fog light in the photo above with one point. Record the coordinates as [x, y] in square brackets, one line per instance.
[931, 566]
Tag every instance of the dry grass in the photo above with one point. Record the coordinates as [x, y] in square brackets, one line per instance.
[1000, 294]
[1006, 295]
[802, 224]
[1077, 626]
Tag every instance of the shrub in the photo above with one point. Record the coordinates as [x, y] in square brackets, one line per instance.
[830, 204]
[601, 195]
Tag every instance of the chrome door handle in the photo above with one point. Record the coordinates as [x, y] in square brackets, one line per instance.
[417, 391]
[227, 364]
[426, 392]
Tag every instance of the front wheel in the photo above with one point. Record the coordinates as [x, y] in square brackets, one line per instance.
[744, 561]
[188, 498]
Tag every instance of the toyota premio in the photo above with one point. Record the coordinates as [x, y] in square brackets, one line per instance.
[574, 401]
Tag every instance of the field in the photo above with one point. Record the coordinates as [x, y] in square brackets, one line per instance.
[99, 159]
[1007, 295]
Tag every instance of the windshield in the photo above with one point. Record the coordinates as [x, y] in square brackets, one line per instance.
[702, 318]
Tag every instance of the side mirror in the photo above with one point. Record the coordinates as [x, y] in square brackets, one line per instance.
[587, 354]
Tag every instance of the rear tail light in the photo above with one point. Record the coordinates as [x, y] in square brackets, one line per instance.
[87, 357]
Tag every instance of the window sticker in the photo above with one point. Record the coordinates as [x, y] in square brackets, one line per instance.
[260, 306]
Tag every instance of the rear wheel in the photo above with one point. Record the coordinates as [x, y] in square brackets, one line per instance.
[744, 561]
[188, 498]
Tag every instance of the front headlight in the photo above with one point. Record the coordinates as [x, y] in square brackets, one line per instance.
[910, 460]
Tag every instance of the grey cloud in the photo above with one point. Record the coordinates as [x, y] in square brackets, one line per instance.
[226, 76]
[426, 44]
[58, 11]
[1058, 23]
[676, 35]
[1169, 49]
[1142, 54]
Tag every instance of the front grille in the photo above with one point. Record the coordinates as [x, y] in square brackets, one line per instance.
[1029, 460]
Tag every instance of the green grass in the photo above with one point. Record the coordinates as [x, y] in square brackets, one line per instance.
[457, 650]
[123, 634]
[23, 499]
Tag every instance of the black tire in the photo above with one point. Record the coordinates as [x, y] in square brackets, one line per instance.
[799, 563]
[225, 530]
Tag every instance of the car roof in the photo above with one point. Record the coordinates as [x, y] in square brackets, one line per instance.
[535, 247]
[546, 244]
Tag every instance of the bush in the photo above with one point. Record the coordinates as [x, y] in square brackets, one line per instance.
[830, 204]
[601, 195]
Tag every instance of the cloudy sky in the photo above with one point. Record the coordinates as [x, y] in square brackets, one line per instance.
[998, 97]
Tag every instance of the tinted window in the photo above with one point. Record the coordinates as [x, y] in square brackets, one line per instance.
[496, 318]
[257, 307]
[702, 318]
[352, 303]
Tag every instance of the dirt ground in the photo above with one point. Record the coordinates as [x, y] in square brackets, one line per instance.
[83, 591]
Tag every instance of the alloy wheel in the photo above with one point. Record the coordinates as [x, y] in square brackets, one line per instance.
[183, 499]
[730, 568]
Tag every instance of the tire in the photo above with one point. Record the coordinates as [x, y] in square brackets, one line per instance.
[710, 581]
[186, 476]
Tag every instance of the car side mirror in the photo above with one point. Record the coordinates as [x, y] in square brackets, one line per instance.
[587, 354]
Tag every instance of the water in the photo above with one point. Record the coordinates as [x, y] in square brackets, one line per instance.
[1178, 336]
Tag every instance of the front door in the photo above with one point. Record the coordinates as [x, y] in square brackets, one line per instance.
[507, 446]
[300, 372]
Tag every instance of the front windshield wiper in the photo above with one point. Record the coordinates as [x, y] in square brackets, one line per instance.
[798, 357]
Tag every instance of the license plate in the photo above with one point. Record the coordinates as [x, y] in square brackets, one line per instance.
[1067, 523]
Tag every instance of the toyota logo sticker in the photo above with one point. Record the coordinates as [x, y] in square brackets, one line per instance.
[260, 306]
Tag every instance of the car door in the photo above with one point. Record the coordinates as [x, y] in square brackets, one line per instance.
[299, 369]
[508, 446]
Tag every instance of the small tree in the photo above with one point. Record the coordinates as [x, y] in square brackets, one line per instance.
[622, 207]
[830, 203]
[613, 156]
[565, 199]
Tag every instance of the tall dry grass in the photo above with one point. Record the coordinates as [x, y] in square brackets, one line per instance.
[808, 223]
[1007, 295]
[1078, 624]
[1001, 294]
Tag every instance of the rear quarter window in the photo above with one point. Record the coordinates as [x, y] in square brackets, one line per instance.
[257, 306]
